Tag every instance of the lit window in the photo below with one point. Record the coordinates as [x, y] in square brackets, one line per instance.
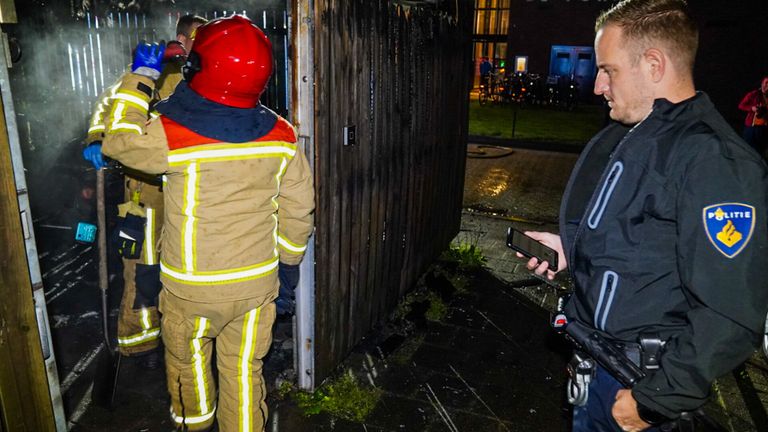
[491, 17]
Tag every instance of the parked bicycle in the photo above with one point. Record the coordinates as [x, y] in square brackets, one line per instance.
[488, 90]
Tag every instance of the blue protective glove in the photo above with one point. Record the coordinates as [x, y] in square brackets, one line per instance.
[148, 59]
[92, 154]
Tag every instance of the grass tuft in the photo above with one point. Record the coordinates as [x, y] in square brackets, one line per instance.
[468, 256]
[342, 398]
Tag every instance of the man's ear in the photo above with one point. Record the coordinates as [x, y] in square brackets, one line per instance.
[656, 63]
[181, 37]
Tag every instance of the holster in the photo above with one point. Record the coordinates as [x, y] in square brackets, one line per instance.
[651, 348]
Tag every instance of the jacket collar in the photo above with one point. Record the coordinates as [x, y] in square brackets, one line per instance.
[214, 120]
[693, 106]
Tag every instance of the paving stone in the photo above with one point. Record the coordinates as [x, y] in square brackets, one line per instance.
[492, 364]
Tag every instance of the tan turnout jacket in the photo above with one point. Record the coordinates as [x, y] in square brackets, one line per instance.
[232, 210]
[164, 86]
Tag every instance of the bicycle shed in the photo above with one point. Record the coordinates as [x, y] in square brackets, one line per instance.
[361, 80]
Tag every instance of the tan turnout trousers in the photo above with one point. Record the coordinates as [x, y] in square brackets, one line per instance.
[138, 324]
[242, 332]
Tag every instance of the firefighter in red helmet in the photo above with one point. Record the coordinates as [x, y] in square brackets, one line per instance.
[238, 202]
[230, 63]
[141, 215]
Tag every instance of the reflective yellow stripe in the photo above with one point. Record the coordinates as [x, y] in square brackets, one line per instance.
[274, 235]
[139, 338]
[118, 114]
[97, 119]
[222, 276]
[146, 324]
[285, 147]
[148, 333]
[149, 238]
[133, 99]
[97, 128]
[226, 152]
[278, 178]
[191, 420]
[188, 236]
[199, 364]
[247, 348]
[289, 245]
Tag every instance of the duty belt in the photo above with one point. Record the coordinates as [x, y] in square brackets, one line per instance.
[647, 353]
[581, 369]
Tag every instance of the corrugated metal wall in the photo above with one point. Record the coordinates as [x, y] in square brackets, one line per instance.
[390, 203]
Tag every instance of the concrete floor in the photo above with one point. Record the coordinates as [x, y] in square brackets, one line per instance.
[491, 365]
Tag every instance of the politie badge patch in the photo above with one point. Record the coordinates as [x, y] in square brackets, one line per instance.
[729, 226]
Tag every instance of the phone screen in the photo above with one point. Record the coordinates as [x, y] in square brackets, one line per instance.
[531, 248]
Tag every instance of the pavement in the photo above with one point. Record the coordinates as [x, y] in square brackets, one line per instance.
[487, 361]
[490, 364]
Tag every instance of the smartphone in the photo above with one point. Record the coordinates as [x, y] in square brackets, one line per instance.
[531, 248]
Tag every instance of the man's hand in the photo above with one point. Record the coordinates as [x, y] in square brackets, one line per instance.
[624, 411]
[148, 60]
[92, 154]
[554, 242]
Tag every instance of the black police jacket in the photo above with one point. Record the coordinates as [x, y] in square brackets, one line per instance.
[664, 227]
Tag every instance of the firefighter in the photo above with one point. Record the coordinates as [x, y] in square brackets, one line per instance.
[141, 216]
[238, 201]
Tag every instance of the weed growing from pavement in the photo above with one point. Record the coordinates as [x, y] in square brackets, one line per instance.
[460, 281]
[467, 255]
[405, 352]
[428, 302]
[437, 308]
[343, 398]
[439, 283]
[284, 389]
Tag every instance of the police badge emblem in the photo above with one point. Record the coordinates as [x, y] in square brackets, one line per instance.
[729, 226]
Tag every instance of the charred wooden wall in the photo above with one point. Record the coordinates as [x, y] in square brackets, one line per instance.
[390, 203]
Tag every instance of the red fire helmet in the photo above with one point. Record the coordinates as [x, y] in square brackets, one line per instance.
[230, 62]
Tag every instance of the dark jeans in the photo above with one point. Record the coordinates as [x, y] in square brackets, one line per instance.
[757, 137]
[289, 278]
[596, 415]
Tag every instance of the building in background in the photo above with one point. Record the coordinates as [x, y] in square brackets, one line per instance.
[549, 38]
[490, 33]
[534, 34]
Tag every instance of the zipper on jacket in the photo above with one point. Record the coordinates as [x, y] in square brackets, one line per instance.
[592, 200]
[605, 195]
[605, 301]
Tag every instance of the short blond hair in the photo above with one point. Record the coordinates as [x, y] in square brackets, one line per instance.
[186, 24]
[647, 22]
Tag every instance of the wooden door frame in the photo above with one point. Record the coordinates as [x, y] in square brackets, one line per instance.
[25, 403]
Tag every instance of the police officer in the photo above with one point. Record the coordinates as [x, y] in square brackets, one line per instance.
[662, 224]
[141, 216]
[238, 201]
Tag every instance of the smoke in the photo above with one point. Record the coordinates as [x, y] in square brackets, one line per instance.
[71, 51]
